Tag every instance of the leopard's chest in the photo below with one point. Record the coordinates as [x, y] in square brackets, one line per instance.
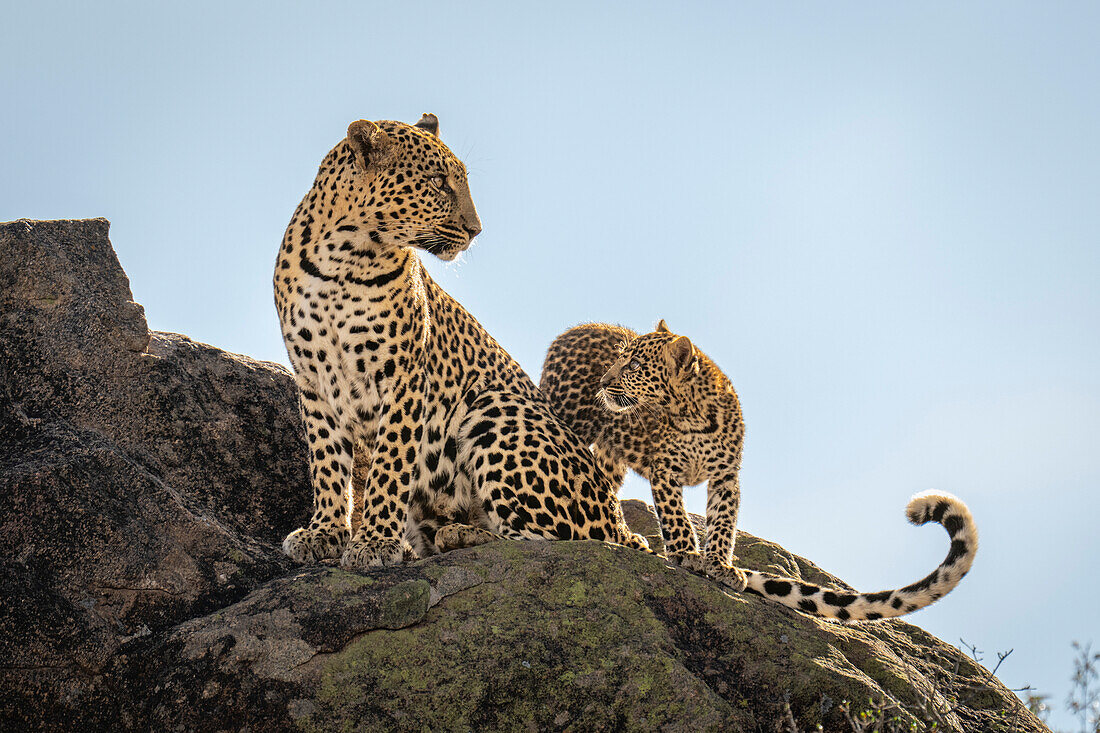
[693, 455]
[694, 469]
[358, 345]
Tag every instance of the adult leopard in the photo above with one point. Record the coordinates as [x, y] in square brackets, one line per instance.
[390, 365]
[462, 446]
[656, 404]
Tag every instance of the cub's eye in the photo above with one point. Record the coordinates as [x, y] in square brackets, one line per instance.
[632, 365]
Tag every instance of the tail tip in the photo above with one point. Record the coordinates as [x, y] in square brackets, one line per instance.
[929, 506]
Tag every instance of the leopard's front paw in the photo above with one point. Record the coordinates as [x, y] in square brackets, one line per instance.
[728, 575]
[311, 545]
[364, 553]
[637, 541]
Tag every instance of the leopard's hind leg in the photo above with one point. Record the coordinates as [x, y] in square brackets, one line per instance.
[533, 477]
[456, 536]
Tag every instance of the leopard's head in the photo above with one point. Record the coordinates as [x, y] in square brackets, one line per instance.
[404, 187]
[648, 371]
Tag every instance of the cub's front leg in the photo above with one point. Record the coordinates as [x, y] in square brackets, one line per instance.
[394, 470]
[676, 528]
[716, 560]
[723, 503]
[330, 464]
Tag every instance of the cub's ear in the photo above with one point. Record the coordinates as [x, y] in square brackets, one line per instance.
[368, 143]
[429, 123]
[662, 327]
[682, 352]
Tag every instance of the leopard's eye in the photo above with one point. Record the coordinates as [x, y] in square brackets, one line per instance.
[439, 182]
[632, 365]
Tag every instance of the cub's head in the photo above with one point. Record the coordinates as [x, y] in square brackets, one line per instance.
[648, 371]
[404, 187]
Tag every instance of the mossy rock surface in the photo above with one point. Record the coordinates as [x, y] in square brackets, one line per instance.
[548, 636]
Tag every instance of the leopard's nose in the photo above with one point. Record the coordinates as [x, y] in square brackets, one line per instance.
[471, 222]
[606, 379]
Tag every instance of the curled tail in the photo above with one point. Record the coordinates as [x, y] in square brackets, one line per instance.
[928, 506]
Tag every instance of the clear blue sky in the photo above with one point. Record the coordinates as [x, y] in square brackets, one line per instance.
[881, 221]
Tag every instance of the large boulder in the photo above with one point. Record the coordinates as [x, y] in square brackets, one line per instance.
[144, 478]
[146, 481]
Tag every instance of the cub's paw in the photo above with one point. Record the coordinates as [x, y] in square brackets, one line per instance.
[637, 541]
[312, 545]
[728, 575]
[364, 553]
[691, 561]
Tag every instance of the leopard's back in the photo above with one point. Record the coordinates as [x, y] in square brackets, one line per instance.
[571, 372]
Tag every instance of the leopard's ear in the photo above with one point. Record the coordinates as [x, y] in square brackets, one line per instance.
[429, 123]
[369, 143]
[662, 327]
[682, 352]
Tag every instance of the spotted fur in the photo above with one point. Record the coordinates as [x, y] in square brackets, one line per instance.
[656, 404]
[395, 373]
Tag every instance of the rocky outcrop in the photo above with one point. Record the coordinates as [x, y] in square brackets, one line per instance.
[144, 478]
[146, 481]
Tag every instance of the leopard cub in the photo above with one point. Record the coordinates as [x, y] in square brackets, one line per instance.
[656, 404]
